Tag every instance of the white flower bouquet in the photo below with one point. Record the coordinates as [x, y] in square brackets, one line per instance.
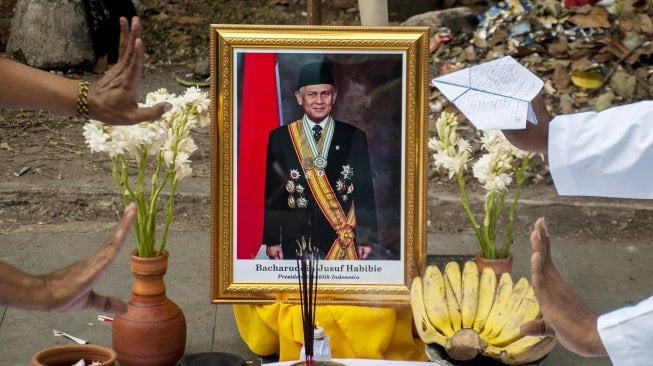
[160, 151]
[494, 170]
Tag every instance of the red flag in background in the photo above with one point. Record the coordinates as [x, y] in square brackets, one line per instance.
[259, 115]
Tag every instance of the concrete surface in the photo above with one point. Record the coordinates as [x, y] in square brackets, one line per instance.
[606, 274]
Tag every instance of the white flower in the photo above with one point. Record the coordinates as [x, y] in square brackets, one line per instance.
[182, 166]
[161, 148]
[494, 171]
[95, 136]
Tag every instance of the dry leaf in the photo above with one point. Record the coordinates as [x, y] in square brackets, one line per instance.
[580, 48]
[604, 101]
[566, 104]
[586, 79]
[623, 84]
[561, 78]
[582, 63]
[615, 45]
[559, 48]
[596, 18]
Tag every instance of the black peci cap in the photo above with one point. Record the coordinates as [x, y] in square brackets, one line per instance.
[315, 73]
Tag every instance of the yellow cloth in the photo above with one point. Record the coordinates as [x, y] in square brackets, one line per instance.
[354, 331]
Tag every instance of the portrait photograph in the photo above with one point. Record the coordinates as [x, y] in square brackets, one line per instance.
[317, 147]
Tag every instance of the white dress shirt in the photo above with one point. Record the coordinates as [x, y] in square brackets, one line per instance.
[610, 154]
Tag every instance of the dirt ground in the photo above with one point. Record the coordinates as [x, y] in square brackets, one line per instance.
[59, 180]
[66, 183]
[43, 155]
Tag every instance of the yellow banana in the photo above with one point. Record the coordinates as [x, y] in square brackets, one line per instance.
[453, 290]
[518, 293]
[470, 290]
[501, 298]
[522, 351]
[426, 331]
[486, 289]
[470, 314]
[435, 300]
[527, 311]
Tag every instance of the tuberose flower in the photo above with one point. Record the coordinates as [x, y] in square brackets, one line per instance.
[160, 149]
[495, 170]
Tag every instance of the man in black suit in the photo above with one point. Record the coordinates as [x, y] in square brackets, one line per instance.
[318, 179]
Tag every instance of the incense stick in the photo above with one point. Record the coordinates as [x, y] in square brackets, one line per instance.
[307, 260]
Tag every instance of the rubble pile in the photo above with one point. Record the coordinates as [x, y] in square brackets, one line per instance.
[590, 54]
[591, 57]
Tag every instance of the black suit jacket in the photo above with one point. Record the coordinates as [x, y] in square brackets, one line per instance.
[286, 225]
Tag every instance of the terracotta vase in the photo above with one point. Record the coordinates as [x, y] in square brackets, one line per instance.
[153, 330]
[499, 266]
[71, 354]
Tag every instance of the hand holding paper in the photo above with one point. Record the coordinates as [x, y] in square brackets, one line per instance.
[495, 95]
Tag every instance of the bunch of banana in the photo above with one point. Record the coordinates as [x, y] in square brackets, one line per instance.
[470, 314]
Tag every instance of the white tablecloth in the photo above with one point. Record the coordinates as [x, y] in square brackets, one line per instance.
[361, 362]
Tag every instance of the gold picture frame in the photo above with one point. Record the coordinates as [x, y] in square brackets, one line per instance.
[382, 89]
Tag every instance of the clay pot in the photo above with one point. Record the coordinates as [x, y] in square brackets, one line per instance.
[153, 330]
[501, 265]
[70, 354]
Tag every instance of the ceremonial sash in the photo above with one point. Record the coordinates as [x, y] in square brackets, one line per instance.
[343, 246]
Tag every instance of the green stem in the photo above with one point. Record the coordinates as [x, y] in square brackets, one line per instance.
[468, 210]
[489, 250]
[520, 178]
[168, 214]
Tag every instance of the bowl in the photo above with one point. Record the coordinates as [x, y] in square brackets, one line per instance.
[69, 355]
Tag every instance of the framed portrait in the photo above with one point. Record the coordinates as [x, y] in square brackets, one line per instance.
[354, 190]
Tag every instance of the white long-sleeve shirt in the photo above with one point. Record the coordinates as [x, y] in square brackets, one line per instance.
[610, 154]
[606, 154]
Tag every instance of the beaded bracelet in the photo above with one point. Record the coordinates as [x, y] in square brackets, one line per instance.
[82, 100]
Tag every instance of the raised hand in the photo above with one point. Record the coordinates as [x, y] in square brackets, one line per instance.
[565, 314]
[71, 288]
[113, 99]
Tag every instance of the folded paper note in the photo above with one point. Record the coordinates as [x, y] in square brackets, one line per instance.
[495, 95]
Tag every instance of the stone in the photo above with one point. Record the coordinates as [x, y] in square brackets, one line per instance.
[457, 20]
[51, 34]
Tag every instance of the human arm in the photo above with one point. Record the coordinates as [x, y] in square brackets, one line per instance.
[112, 99]
[71, 288]
[565, 314]
[604, 154]
[535, 136]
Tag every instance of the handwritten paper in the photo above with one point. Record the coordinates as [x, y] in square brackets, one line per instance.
[493, 95]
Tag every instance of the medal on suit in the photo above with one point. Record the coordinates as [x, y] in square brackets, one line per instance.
[317, 157]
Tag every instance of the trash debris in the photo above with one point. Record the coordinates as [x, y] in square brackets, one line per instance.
[442, 36]
[58, 333]
[104, 318]
[22, 170]
[578, 3]
[576, 48]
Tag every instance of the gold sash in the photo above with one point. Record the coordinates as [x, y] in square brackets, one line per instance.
[343, 246]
